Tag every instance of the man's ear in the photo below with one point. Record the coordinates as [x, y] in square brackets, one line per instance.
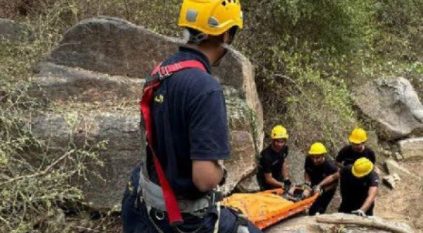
[227, 38]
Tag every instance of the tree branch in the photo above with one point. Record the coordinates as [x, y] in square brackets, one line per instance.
[373, 222]
[43, 172]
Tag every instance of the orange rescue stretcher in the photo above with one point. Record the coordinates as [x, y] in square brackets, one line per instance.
[268, 207]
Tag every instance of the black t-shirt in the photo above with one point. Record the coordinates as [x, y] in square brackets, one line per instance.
[190, 123]
[317, 173]
[347, 156]
[271, 162]
[354, 191]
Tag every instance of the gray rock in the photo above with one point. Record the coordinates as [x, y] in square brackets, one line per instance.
[296, 160]
[240, 165]
[98, 70]
[248, 185]
[387, 153]
[411, 148]
[14, 31]
[61, 83]
[393, 104]
[119, 130]
[394, 168]
[398, 156]
[391, 180]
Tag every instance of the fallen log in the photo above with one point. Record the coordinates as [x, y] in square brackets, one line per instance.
[371, 222]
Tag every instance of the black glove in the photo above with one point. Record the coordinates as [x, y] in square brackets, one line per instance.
[287, 184]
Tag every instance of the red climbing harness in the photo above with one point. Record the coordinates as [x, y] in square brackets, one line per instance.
[157, 76]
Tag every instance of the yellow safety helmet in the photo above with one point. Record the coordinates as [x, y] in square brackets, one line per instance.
[362, 167]
[279, 132]
[212, 17]
[317, 149]
[358, 136]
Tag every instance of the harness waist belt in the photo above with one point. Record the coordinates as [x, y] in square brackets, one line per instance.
[153, 196]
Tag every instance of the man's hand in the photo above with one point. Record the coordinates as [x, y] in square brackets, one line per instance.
[359, 212]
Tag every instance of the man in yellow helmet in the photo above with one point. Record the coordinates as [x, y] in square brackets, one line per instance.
[359, 186]
[273, 169]
[356, 149]
[317, 168]
[187, 133]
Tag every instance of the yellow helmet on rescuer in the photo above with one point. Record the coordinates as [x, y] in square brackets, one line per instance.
[279, 132]
[358, 136]
[317, 149]
[212, 17]
[362, 167]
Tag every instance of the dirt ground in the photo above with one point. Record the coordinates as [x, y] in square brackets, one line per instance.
[405, 202]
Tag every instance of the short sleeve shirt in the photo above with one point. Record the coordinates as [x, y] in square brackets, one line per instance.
[272, 162]
[354, 190]
[190, 123]
[317, 173]
[347, 156]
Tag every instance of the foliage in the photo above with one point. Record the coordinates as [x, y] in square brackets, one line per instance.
[35, 180]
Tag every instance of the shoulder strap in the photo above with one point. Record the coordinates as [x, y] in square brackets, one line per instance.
[159, 73]
[165, 71]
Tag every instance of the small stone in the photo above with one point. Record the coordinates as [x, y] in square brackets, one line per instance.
[386, 152]
[391, 180]
[398, 156]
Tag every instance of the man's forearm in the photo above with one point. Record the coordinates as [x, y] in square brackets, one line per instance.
[206, 175]
[370, 199]
[275, 183]
[329, 180]
[285, 171]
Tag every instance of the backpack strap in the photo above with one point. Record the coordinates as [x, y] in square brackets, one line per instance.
[158, 74]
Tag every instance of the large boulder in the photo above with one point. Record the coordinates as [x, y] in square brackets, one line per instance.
[97, 70]
[393, 104]
[119, 130]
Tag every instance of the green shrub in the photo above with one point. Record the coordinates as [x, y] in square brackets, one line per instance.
[35, 181]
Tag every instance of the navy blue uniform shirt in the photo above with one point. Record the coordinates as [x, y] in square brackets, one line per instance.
[271, 162]
[347, 156]
[317, 173]
[189, 120]
[354, 191]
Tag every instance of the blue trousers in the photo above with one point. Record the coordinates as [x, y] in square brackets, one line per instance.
[136, 218]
